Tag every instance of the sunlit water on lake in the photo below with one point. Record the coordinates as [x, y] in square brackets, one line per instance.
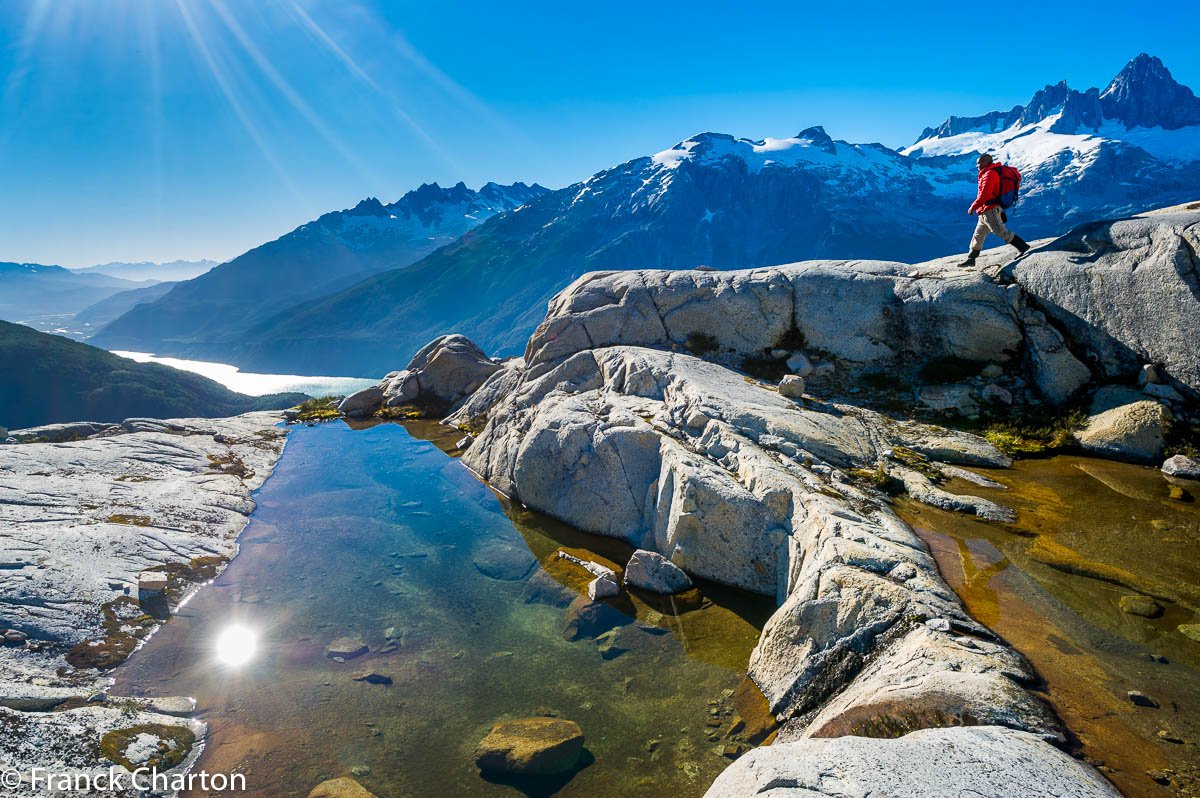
[257, 384]
[379, 535]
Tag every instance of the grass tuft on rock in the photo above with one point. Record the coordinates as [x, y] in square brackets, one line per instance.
[323, 408]
[175, 743]
[1043, 433]
[878, 478]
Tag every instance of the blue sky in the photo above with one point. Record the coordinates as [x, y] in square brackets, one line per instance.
[163, 129]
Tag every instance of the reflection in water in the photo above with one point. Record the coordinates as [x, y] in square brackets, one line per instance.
[1088, 534]
[236, 645]
[376, 539]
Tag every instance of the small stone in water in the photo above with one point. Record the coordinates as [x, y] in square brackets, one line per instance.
[1141, 699]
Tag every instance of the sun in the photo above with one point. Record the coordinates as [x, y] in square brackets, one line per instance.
[236, 645]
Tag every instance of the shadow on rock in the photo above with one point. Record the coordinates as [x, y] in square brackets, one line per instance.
[539, 786]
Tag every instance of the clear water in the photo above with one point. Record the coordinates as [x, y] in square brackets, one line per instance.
[364, 531]
[254, 384]
[1088, 533]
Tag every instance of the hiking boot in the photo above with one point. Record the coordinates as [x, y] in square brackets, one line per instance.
[1020, 244]
[969, 263]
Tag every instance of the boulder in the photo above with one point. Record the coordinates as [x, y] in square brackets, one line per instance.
[791, 386]
[604, 586]
[531, 746]
[368, 400]
[1181, 466]
[799, 365]
[1125, 424]
[344, 787]
[1126, 291]
[985, 761]
[153, 581]
[449, 367]
[585, 618]
[651, 571]
[1162, 391]
[948, 397]
[996, 394]
[504, 560]
[1142, 606]
[1057, 374]
[346, 648]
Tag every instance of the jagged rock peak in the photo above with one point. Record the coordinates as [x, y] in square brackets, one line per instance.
[1144, 94]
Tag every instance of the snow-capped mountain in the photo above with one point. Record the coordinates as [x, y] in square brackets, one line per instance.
[731, 203]
[1082, 153]
[207, 315]
[727, 202]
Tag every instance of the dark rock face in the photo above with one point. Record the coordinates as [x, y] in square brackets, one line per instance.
[1145, 95]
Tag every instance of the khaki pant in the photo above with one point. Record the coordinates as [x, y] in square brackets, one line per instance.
[989, 222]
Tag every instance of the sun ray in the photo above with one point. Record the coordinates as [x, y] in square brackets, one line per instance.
[231, 97]
[293, 97]
[355, 69]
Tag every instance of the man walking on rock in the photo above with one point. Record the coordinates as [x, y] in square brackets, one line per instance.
[994, 182]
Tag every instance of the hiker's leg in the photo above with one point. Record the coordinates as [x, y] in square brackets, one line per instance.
[995, 224]
[981, 231]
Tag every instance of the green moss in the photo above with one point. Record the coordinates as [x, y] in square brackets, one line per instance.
[124, 624]
[130, 520]
[422, 407]
[878, 478]
[321, 409]
[1182, 438]
[474, 425]
[175, 743]
[892, 726]
[917, 462]
[229, 463]
[701, 344]
[950, 369]
[1036, 434]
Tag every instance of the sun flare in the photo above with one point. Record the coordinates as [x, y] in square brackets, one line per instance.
[236, 645]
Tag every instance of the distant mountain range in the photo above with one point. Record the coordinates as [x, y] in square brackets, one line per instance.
[712, 199]
[32, 290]
[207, 317]
[175, 270]
[46, 379]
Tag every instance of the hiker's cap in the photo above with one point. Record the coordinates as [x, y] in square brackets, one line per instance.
[984, 160]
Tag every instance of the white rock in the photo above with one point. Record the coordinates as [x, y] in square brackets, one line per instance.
[948, 397]
[153, 581]
[651, 571]
[799, 365]
[1181, 466]
[791, 386]
[1148, 375]
[1162, 391]
[991, 371]
[823, 369]
[780, 354]
[1057, 374]
[1123, 423]
[983, 761]
[603, 587]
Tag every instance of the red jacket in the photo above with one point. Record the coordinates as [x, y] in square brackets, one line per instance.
[989, 189]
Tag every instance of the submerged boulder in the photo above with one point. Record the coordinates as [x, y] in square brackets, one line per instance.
[344, 787]
[1125, 424]
[531, 746]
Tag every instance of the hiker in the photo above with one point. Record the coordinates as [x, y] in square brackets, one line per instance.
[998, 189]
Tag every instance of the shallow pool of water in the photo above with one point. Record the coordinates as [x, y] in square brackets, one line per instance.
[377, 534]
[1088, 534]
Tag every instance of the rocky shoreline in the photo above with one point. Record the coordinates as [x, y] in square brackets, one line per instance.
[634, 414]
[105, 531]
